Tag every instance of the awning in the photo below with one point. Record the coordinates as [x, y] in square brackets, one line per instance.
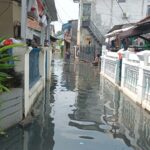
[140, 28]
[136, 31]
[118, 32]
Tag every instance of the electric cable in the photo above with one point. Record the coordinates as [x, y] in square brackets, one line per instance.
[64, 11]
[122, 10]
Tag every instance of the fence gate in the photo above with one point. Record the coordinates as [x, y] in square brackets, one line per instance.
[87, 53]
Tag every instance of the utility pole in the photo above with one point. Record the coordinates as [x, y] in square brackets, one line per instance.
[23, 19]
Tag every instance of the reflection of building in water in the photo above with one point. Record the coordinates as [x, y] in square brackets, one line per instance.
[13, 141]
[40, 134]
[69, 76]
[135, 124]
[87, 102]
[106, 110]
[144, 131]
[129, 115]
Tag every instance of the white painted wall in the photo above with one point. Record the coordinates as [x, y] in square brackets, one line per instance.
[111, 13]
[31, 94]
[135, 60]
[106, 13]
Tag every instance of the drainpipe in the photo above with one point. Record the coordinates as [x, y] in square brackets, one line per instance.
[23, 19]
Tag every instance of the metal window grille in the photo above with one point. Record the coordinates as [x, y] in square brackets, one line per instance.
[131, 78]
[146, 85]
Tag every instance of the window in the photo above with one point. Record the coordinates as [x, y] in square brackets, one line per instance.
[121, 1]
[86, 11]
[148, 10]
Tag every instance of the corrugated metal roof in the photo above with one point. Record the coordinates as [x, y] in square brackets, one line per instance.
[140, 28]
[52, 12]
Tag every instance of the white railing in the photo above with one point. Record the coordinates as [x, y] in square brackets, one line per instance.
[110, 66]
[134, 74]
[131, 77]
[136, 77]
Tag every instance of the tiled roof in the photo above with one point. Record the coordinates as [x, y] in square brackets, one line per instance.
[33, 24]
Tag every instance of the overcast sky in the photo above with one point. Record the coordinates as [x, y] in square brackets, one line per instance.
[67, 10]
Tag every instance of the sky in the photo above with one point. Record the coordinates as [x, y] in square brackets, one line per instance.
[66, 10]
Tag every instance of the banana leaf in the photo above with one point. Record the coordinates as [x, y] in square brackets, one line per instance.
[9, 58]
[4, 48]
[6, 66]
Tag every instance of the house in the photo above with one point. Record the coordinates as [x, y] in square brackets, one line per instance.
[27, 21]
[70, 35]
[132, 69]
[98, 17]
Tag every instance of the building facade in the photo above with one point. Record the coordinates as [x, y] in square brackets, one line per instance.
[97, 17]
[28, 22]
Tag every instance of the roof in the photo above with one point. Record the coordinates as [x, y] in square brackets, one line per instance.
[116, 27]
[140, 28]
[120, 26]
[144, 21]
[52, 12]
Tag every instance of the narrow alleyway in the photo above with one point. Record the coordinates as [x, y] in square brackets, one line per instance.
[80, 110]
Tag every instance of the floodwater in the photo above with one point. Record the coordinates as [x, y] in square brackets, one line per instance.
[80, 110]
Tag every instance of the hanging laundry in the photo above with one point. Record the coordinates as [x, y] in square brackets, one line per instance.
[40, 7]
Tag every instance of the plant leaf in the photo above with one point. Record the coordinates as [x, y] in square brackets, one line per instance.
[4, 48]
[3, 88]
[9, 58]
[6, 66]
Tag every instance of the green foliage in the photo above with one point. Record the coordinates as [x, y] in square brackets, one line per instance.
[4, 59]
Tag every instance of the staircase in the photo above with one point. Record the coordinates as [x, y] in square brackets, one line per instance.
[94, 31]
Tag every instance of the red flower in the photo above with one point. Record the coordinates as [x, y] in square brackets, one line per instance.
[7, 42]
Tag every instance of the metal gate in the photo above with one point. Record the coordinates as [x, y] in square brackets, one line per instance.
[87, 53]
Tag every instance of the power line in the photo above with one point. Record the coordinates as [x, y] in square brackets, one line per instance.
[64, 11]
[59, 18]
[122, 10]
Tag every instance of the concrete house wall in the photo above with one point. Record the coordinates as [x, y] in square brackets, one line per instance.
[17, 104]
[9, 18]
[107, 13]
[6, 27]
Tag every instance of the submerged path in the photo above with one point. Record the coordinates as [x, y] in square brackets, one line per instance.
[80, 110]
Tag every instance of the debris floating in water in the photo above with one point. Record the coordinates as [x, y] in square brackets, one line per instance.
[81, 143]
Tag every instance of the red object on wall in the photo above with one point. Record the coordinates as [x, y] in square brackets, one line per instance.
[119, 56]
[7, 42]
[40, 7]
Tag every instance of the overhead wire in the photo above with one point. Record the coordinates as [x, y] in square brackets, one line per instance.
[122, 10]
[64, 11]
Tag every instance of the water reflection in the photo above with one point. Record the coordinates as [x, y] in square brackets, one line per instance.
[83, 111]
[39, 134]
[105, 109]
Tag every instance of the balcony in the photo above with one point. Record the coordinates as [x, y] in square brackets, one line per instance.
[86, 23]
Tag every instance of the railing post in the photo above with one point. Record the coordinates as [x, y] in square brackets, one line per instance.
[123, 72]
[26, 83]
[140, 83]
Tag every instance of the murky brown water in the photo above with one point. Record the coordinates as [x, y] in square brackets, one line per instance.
[82, 111]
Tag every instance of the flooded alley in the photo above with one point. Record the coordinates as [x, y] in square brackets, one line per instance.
[79, 110]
